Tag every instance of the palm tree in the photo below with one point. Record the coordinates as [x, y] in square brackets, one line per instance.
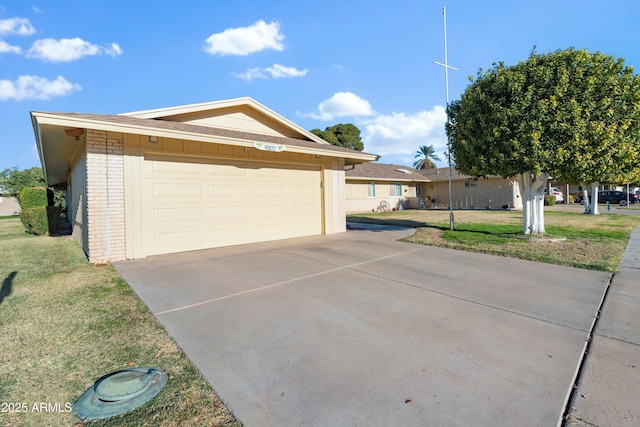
[425, 156]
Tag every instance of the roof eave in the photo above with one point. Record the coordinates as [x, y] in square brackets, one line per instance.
[82, 122]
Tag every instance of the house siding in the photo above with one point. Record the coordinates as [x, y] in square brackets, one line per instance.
[338, 198]
[105, 196]
[76, 195]
[472, 194]
[357, 199]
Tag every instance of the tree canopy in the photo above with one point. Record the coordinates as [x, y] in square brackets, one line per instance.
[425, 156]
[570, 114]
[12, 180]
[343, 135]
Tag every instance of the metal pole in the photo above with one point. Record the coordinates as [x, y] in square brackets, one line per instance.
[446, 82]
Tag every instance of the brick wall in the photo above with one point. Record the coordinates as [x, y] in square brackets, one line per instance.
[338, 209]
[105, 197]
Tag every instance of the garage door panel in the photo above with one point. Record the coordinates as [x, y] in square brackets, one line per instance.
[179, 169]
[223, 190]
[226, 203]
[172, 214]
[167, 242]
[170, 189]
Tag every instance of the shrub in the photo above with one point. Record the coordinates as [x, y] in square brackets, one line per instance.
[35, 220]
[31, 197]
[549, 200]
[570, 198]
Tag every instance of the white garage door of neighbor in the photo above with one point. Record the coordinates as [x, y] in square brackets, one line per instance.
[194, 204]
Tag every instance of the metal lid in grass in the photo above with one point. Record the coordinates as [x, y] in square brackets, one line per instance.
[120, 392]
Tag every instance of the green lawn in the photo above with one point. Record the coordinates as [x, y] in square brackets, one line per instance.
[592, 242]
[64, 323]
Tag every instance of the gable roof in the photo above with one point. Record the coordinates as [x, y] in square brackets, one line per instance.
[195, 113]
[56, 149]
[384, 172]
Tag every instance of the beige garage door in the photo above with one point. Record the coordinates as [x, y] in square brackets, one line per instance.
[195, 204]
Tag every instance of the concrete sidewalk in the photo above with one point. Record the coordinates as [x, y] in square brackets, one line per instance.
[608, 392]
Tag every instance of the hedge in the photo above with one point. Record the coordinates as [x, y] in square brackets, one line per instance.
[31, 197]
[549, 200]
[35, 220]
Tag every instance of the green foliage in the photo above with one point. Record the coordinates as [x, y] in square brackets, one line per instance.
[570, 199]
[12, 180]
[33, 196]
[570, 113]
[341, 135]
[57, 220]
[549, 200]
[425, 156]
[35, 220]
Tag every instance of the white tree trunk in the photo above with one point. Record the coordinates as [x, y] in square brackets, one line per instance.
[585, 198]
[532, 192]
[594, 198]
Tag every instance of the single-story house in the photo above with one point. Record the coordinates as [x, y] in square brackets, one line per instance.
[372, 185]
[493, 192]
[191, 177]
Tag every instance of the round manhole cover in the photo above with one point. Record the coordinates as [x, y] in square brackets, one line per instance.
[120, 392]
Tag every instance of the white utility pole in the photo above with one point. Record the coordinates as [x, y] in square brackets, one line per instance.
[446, 82]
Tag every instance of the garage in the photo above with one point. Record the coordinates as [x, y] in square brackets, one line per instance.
[191, 177]
[199, 203]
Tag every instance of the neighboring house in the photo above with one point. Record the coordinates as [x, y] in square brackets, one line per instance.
[493, 192]
[191, 177]
[370, 184]
[9, 206]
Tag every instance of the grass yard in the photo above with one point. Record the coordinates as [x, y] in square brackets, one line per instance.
[64, 323]
[592, 242]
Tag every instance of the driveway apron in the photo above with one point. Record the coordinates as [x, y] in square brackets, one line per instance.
[359, 329]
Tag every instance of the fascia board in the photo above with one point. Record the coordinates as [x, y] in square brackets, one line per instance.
[36, 130]
[363, 178]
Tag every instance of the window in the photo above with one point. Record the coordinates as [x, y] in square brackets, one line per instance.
[395, 190]
[371, 189]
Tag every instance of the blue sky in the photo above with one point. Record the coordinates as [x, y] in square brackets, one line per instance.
[317, 63]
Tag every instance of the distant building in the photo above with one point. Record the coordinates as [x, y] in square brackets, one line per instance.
[402, 187]
[9, 206]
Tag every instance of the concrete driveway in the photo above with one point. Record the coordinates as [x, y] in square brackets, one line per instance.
[359, 329]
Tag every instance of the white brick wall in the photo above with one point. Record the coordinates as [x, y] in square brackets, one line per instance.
[338, 210]
[105, 198]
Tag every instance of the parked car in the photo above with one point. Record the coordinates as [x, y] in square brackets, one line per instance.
[619, 197]
[611, 196]
[557, 193]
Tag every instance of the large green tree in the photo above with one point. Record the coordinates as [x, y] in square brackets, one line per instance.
[425, 157]
[12, 180]
[343, 135]
[569, 114]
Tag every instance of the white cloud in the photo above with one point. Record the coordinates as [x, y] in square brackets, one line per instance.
[243, 41]
[36, 9]
[19, 26]
[399, 135]
[276, 71]
[113, 50]
[34, 87]
[342, 104]
[7, 48]
[66, 50]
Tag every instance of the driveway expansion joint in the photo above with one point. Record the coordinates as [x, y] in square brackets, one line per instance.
[566, 412]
